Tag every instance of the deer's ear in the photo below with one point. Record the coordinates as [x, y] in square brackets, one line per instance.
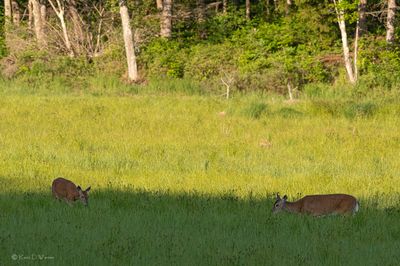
[79, 188]
[285, 197]
[278, 197]
[87, 190]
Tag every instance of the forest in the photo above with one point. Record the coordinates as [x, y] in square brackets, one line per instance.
[287, 47]
[199, 132]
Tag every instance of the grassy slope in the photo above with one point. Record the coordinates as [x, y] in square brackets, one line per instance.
[173, 181]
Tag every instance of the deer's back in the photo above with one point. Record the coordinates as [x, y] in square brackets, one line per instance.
[328, 204]
[64, 188]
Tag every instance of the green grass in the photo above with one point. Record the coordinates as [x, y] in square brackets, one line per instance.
[175, 182]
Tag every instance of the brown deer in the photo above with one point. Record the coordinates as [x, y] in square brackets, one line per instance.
[318, 205]
[64, 189]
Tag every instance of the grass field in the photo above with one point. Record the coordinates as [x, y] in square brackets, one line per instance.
[174, 181]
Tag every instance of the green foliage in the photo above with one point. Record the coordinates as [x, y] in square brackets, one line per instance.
[360, 110]
[255, 110]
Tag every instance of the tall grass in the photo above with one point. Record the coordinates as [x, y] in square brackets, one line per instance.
[175, 182]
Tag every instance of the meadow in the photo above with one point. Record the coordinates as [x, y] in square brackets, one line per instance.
[190, 180]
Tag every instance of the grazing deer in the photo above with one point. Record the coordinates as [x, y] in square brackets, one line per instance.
[318, 205]
[68, 191]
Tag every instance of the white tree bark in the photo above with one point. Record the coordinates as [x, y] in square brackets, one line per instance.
[159, 4]
[60, 11]
[248, 9]
[38, 24]
[7, 11]
[289, 4]
[79, 36]
[390, 21]
[16, 15]
[128, 40]
[30, 14]
[346, 52]
[43, 13]
[224, 6]
[166, 19]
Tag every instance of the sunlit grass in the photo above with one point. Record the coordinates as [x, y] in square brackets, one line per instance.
[178, 163]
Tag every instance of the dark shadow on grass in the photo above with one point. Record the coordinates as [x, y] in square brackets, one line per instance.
[149, 228]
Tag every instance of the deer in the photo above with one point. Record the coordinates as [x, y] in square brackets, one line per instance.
[66, 190]
[318, 205]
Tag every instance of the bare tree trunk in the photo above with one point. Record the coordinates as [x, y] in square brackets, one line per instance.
[128, 40]
[77, 25]
[43, 13]
[356, 51]
[362, 17]
[16, 15]
[159, 4]
[224, 6]
[60, 11]
[248, 9]
[346, 53]
[289, 5]
[38, 24]
[7, 11]
[390, 21]
[166, 19]
[30, 14]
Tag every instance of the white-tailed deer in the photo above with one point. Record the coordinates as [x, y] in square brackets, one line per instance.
[318, 205]
[64, 189]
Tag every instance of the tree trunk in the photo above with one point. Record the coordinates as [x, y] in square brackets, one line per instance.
[7, 11]
[38, 24]
[166, 19]
[248, 9]
[289, 4]
[224, 6]
[77, 25]
[128, 40]
[346, 53]
[30, 14]
[16, 15]
[43, 13]
[159, 4]
[362, 26]
[60, 14]
[390, 21]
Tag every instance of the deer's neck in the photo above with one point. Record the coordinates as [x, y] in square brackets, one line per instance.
[293, 206]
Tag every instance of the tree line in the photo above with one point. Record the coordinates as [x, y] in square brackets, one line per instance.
[85, 28]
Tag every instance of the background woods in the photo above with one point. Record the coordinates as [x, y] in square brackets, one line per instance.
[268, 45]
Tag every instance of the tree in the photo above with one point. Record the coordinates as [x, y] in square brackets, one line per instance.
[166, 19]
[346, 53]
[289, 4]
[38, 24]
[77, 25]
[16, 15]
[60, 11]
[224, 6]
[128, 40]
[390, 21]
[7, 11]
[159, 4]
[362, 17]
[248, 9]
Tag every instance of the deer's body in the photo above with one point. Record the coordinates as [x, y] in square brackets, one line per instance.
[318, 205]
[64, 189]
